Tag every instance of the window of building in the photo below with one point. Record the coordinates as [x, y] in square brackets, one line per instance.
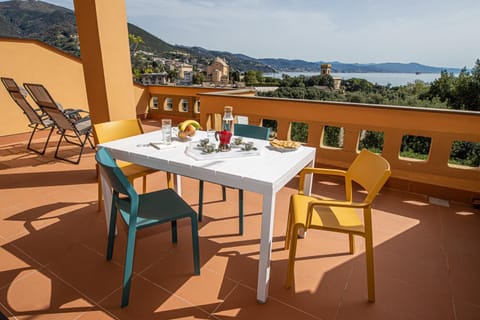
[168, 104]
[154, 103]
[183, 107]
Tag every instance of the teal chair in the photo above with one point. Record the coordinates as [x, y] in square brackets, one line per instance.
[141, 211]
[242, 130]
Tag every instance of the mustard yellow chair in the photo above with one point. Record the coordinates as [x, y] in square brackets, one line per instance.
[370, 171]
[114, 130]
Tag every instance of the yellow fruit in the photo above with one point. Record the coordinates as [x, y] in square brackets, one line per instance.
[190, 130]
[182, 135]
[183, 125]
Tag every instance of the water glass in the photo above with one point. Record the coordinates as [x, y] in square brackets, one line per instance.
[167, 131]
[211, 135]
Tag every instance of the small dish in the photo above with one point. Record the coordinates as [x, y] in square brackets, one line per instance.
[284, 145]
[248, 146]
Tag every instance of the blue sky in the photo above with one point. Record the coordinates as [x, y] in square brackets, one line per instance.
[437, 33]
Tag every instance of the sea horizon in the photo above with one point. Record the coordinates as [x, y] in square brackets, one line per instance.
[381, 78]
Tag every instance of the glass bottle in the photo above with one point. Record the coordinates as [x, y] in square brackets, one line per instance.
[227, 123]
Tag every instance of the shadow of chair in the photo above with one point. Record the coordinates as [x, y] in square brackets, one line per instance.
[113, 130]
[141, 211]
[368, 170]
[37, 118]
[246, 131]
[73, 129]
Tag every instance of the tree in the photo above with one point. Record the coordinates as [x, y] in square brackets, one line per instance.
[135, 41]
[250, 78]
[462, 92]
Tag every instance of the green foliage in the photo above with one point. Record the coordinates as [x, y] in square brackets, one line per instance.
[250, 78]
[198, 77]
[299, 132]
[371, 140]
[458, 92]
[416, 147]
[332, 137]
[465, 153]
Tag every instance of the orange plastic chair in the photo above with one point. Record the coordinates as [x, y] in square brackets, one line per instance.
[114, 130]
[370, 171]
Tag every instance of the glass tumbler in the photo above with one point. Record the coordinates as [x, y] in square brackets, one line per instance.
[167, 131]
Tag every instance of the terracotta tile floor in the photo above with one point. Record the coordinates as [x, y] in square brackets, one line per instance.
[53, 266]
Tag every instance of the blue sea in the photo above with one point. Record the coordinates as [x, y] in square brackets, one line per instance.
[394, 79]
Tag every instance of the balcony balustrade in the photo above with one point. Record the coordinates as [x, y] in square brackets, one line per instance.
[434, 175]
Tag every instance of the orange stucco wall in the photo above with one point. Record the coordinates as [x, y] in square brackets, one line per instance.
[31, 61]
[61, 73]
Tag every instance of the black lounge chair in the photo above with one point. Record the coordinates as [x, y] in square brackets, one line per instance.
[73, 128]
[37, 118]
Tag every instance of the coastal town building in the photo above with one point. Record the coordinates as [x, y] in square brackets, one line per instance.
[217, 71]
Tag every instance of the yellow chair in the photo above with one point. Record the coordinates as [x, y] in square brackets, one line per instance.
[114, 130]
[370, 171]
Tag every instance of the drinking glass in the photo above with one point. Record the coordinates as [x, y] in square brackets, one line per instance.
[211, 136]
[167, 131]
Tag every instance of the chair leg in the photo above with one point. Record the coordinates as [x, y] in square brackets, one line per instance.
[174, 231]
[351, 242]
[240, 212]
[127, 276]
[369, 254]
[200, 200]
[370, 268]
[195, 245]
[46, 142]
[170, 177]
[111, 232]
[224, 193]
[81, 144]
[99, 191]
[288, 233]
[144, 184]
[291, 257]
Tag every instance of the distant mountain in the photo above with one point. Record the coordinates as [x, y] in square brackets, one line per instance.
[56, 26]
[338, 67]
[39, 20]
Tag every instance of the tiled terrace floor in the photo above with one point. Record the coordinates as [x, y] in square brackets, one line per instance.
[53, 266]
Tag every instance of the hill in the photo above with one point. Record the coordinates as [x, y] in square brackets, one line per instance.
[339, 67]
[56, 26]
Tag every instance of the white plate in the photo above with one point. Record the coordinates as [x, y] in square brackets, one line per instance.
[281, 149]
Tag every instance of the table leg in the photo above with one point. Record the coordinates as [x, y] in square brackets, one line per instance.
[177, 183]
[307, 190]
[307, 185]
[107, 198]
[268, 215]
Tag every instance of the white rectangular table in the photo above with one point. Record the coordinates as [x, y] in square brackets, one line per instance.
[266, 174]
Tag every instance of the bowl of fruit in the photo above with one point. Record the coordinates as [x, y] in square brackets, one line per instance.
[187, 129]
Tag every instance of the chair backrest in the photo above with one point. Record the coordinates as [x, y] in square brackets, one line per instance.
[60, 119]
[114, 175]
[113, 130]
[43, 99]
[371, 171]
[17, 96]
[248, 131]
[40, 95]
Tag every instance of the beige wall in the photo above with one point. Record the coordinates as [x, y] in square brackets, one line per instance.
[32, 61]
[61, 73]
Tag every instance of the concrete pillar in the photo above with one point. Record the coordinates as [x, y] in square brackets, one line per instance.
[105, 54]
